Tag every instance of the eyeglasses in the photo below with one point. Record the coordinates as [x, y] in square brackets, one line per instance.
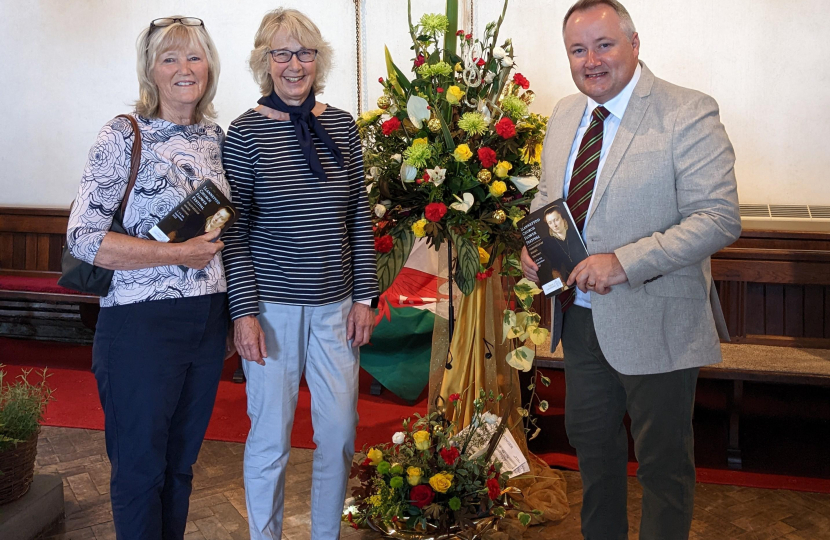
[283, 56]
[168, 21]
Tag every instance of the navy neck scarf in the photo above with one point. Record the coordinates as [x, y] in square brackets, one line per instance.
[304, 123]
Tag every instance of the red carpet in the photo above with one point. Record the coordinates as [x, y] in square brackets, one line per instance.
[76, 405]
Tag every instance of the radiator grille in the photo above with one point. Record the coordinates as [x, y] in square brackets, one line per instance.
[785, 211]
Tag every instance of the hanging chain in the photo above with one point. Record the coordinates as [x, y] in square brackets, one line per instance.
[472, 18]
[358, 51]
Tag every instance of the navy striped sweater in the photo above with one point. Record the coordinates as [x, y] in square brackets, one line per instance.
[298, 240]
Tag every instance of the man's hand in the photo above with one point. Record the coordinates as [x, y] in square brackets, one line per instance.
[250, 339]
[529, 267]
[360, 323]
[199, 251]
[598, 273]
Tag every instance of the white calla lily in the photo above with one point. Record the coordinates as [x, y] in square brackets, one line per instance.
[380, 210]
[408, 172]
[418, 110]
[463, 205]
[396, 157]
[524, 183]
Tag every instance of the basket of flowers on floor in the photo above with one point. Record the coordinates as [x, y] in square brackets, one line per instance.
[433, 481]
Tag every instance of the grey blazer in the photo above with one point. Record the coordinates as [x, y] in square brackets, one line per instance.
[666, 200]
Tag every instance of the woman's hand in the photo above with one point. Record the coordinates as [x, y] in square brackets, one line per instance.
[199, 251]
[529, 267]
[250, 339]
[359, 324]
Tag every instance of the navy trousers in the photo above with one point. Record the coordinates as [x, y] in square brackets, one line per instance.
[158, 365]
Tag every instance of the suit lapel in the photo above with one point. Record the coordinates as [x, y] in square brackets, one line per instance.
[634, 113]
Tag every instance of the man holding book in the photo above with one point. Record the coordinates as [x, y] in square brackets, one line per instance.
[647, 171]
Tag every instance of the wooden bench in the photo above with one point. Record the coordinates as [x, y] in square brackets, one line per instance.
[32, 304]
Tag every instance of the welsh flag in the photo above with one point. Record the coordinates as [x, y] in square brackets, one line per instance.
[399, 353]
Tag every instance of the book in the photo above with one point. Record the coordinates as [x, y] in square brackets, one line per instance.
[507, 451]
[204, 210]
[554, 243]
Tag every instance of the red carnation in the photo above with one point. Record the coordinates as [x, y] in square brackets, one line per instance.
[487, 156]
[460, 33]
[480, 62]
[505, 127]
[383, 244]
[421, 495]
[449, 455]
[420, 61]
[520, 79]
[380, 80]
[493, 489]
[427, 177]
[391, 126]
[435, 211]
[454, 397]
[439, 90]
[468, 37]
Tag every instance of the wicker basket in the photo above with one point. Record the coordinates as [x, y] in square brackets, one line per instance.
[17, 468]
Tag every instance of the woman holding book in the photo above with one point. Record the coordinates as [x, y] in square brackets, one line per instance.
[160, 339]
[301, 270]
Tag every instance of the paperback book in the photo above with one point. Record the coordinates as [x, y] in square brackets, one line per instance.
[204, 210]
[554, 243]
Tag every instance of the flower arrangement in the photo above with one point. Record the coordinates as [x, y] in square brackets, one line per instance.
[433, 478]
[452, 154]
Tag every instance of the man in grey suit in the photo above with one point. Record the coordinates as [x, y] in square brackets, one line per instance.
[647, 170]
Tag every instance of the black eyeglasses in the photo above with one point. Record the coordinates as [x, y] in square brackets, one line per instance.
[283, 56]
[168, 21]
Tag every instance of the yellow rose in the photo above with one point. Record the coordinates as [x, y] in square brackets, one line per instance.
[418, 228]
[454, 95]
[502, 169]
[422, 141]
[422, 440]
[483, 256]
[498, 188]
[462, 152]
[375, 456]
[413, 475]
[441, 482]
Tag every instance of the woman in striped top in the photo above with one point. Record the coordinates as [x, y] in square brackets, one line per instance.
[301, 271]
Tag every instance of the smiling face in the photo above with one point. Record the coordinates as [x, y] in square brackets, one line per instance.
[558, 226]
[294, 79]
[181, 76]
[602, 57]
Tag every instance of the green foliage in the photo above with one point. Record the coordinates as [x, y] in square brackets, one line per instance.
[22, 403]
[468, 263]
[390, 264]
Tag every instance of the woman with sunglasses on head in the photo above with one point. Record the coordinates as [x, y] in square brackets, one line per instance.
[301, 270]
[160, 339]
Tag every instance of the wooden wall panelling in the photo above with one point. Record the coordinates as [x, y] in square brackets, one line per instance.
[794, 310]
[6, 249]
[814, 316]
[31, 238]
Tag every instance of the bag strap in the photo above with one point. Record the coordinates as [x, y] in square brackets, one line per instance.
[135, 160]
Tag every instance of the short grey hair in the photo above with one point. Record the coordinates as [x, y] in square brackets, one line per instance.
[626, 23]
[298, 27]
[166, 38]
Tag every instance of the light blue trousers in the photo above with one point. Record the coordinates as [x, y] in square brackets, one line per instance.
[298, 339]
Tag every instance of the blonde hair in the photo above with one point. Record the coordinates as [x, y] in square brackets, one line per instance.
[298, 27]
[167, 38]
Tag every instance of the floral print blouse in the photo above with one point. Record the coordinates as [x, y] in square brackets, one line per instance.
[175, 160]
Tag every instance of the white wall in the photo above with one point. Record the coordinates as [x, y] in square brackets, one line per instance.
[68, 66]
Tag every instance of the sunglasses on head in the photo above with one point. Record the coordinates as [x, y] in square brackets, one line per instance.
[168, 21]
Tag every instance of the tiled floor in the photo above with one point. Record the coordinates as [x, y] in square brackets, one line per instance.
[217, 507]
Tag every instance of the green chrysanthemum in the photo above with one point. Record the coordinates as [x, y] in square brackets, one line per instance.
[514, 107]
[433, 70]
[434, 23]
[417, 155]
[455, 504]
[473, 123]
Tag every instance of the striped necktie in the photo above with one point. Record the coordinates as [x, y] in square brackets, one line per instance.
[583, 178]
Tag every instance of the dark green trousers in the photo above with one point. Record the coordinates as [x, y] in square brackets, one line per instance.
[660, 407]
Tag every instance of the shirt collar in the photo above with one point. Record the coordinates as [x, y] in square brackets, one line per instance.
[618, 104]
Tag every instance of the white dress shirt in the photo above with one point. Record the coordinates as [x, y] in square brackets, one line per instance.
[616, 107]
